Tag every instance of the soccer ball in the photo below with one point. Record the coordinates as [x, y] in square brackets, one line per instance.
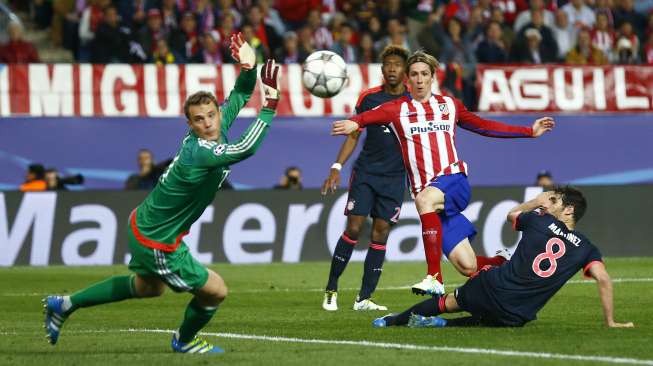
[324, 74]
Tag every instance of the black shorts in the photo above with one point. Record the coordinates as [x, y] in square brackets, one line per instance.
[473, 298]
[376, 196]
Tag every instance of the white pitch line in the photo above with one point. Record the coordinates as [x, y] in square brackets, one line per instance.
[387, 345]
[388, 288]
[414, 347]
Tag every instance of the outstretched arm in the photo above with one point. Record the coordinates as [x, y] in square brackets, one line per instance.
[597, 271]
[250, 140]
[381, 115]
[486, 127]
[244, 87]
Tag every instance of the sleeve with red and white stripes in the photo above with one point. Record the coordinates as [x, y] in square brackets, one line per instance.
[486, 127]
[381, 115]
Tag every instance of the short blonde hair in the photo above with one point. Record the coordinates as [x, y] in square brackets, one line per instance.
[421, 56]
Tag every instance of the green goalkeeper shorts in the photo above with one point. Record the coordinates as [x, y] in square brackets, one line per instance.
[178, 269]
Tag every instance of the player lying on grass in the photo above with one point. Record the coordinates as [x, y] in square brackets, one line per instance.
[549, 253]
[425, 125]
[159, 256]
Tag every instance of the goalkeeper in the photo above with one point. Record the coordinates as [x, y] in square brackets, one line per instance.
[156, 227]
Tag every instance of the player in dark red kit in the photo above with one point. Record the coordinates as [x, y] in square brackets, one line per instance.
[549, 253]
[426, 127]
[376, 188]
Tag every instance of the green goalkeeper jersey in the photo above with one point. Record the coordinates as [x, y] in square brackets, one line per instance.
[196, 173]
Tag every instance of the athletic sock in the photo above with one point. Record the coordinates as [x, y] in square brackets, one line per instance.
[428, 307]
[116, 288]
[373, 268]
[195, 318]
[432, 237]
[341, 257]
[482, 261]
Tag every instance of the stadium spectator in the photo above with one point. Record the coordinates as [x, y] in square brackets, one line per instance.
[648, 50]
[374, 28]
[459, 9]
[35, 179]
[271, 17]
[366, 51]
[544, 179]
[603, 36]
[396, 36]
[605, 6]
[579, 14]
[185, 41]
[510, 9]
[90, 20]
[530, 50]
[227, 29]
[295, 12]
[626, 52]
[265, 33]
[525, 16]
[170, 15]
[109, 44]
[226, 7]
[322, 37]
[563, 33]
[162, 54]
[290, 53]
[55, 182]
[507, 33]
[148, 174]
[206, 16]
[625, 13]
[627, 32]
[456, 48]
[492, 49]
[152, 32]
[342, 44]
[291, 180]
[250, 37]
[212, 52]
[585, 53]
[17, 50]
[306, 44]
[549, 45]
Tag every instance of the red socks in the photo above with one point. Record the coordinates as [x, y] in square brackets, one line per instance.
[432, 237]
[492, 261]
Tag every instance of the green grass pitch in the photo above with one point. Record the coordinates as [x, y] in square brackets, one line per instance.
[284, 300]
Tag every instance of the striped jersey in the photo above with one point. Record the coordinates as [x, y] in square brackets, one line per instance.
[427, 134]
[196, 173]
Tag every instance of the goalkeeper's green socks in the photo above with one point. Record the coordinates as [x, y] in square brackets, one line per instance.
[116, 288]
[195, 318]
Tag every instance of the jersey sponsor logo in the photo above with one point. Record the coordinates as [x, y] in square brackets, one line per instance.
[429, 127]
[220, 149]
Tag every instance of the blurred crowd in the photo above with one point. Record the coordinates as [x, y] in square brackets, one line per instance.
[463, 32]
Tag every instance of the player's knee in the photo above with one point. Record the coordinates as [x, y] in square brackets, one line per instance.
[467, 269]
[353, 228]
[380, 231]
[430, 200]
[148, 287]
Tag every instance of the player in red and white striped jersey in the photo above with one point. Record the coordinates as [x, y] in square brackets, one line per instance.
[425, 125]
